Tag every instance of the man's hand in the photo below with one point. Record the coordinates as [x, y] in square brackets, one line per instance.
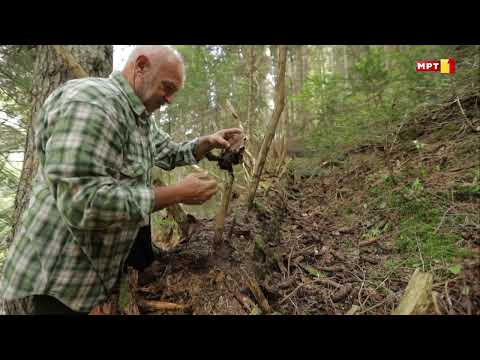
[196, 188]
[218, 140]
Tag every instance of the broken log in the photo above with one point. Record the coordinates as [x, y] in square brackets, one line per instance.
[418, 295]
[222, 213]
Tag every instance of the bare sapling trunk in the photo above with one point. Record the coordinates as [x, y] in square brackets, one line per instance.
[277, 112]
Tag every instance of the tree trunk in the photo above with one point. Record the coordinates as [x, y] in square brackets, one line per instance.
[299, 81]
[339, 60]
[345, 64]
[251, 93]
[49, 72]
[277, 112]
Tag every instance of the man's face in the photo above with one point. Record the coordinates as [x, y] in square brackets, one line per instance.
[158, 85]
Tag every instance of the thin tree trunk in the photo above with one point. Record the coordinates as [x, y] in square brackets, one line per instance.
[277, 112]
[283, 142]
[251, 95]
[345, 64]
[49, 72]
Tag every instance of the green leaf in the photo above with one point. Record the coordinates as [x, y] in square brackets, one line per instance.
[455, 269]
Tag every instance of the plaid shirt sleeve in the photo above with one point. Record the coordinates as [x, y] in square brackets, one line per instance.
[82, 160]
[169, 154]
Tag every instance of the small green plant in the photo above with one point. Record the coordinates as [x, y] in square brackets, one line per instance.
[374, 232]
[455, 269]
[416, 186]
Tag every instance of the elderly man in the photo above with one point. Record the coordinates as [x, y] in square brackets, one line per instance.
[88, 217]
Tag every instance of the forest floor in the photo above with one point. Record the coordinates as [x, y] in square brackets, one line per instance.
[335, 235]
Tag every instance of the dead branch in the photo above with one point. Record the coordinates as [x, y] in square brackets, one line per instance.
[465, 115]
[368, 242]
[152, 305]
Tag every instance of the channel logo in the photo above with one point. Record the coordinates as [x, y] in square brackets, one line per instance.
[443, 66]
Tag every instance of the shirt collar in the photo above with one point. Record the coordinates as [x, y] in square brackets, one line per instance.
[134, 101]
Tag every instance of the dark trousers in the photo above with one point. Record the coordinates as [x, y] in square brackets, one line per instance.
[140, 257]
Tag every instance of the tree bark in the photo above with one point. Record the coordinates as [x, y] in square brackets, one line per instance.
[49, 72]
[345, 65]
[250, 124]
[277, 112]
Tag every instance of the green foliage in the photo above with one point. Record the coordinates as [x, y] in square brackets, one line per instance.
[382, 90]
[16, 67]
[419, 217]
[159, 221]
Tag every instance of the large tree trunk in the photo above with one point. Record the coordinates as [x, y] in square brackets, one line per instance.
[272, 126]
[49, 72]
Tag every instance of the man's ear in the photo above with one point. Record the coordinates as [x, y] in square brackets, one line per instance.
[142, 64]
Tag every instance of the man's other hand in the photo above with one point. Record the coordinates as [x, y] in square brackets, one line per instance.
[197, 188]
[220, 138]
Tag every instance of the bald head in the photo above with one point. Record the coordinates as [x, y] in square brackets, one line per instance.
[158, 54]
[156, 73]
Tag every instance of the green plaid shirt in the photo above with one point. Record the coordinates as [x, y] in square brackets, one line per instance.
[92, 192]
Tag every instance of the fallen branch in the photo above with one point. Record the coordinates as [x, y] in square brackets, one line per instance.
[368, 242]
[316, 281]
[465, 115]
[335, 268]
[152, 305]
